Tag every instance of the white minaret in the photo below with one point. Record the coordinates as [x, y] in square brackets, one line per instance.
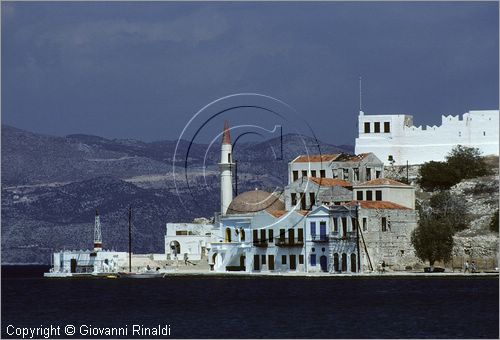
[97, 232]
[225, 165]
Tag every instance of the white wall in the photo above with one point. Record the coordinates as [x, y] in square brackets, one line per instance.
[417, 145]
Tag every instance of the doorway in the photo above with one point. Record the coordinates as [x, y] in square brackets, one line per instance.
[293, 262]
[344, 262]
[323, 263]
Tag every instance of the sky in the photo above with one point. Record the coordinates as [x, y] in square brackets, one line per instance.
[142, 70]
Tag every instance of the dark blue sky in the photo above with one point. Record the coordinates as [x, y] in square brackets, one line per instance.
[141, 70]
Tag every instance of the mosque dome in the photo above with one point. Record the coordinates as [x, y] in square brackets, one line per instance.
[255, 201]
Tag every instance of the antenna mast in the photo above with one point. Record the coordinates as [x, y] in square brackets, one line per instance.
[130, 239]
[97, 232]
[360, 103]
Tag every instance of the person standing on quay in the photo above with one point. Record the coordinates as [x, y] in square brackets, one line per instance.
[466, 267]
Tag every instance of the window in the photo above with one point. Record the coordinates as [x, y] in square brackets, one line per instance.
[484, 133]
[271, 236]
[356, 174]
[344, 226]
[283, 259]
[313, 229]
[378, 173]
[303, 201]
[313, 173]
[384, 224]
[322, 174]
[271, 262]
[282, 235]
[334, 173]
[229, 157]
[353, 222]
[378, 195]
[364, 224]
[294, 198]
[263, 235]
[359, 195]
[300, 235]
[376, 128]
[322, 230]
[313, 249]
[255, 236]
[345, 174]
[387, 127]
[313, 259]
[304, 173]
[368, 174]
[263, 259]
[301, 259]
[459, 134]
[367, 127]
[228, 235]
[369, 195]
[295, 175]
[242, 235]
[335, 225]
[312, 199]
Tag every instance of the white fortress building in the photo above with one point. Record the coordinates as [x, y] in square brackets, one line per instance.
[395, 140]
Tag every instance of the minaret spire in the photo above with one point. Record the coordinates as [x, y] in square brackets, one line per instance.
[97, 232]
[225, 166]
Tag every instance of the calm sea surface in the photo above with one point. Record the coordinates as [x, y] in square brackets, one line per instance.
[211, 307]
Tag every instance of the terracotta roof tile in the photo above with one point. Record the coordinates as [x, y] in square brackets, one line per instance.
[383, 181]
[330, 182]
[279, 213]
[351, 158]
[226, 136]
[315, 158]
[378, 205]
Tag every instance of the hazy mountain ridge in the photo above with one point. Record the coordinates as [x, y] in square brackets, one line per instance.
[51, 187]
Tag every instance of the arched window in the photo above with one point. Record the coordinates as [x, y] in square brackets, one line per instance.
[175, 248]
[353, 263]
[344, 262]
[336, 262]
[228, 235]
[242, 235]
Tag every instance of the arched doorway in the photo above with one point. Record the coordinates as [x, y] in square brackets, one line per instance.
[175, 248]
[344, 262]
[353, 263]
[242, 235]
[214, 256]
[228, 235]
[323, 263]
[336, 262]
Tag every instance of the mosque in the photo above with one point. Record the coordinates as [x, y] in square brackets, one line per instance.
[338, 214]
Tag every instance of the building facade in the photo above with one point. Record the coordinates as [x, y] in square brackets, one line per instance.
[395, 140]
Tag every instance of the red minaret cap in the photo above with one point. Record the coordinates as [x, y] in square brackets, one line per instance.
[226, 137]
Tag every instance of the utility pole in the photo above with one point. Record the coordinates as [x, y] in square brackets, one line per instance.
[357, 237]
[130, 239]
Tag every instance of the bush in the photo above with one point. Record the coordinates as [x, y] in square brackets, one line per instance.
[461, 163]
[451, 209]
[494, 222]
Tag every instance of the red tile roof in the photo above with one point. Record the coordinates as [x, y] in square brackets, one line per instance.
[330, 182]
[315, 158]
[378, 205]
[226, 136]
[351, 158]
[383, 181]
[279, 213]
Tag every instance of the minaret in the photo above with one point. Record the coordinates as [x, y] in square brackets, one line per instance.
[225, 165]
[97, 232]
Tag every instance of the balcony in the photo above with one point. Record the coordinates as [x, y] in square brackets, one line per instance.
[350, 235]
[320, 238]
[260, 243]
[289, 242]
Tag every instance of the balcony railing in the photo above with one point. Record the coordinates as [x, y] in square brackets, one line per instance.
[260, 243]
[289, 242]
[348, 236]
[320, 238]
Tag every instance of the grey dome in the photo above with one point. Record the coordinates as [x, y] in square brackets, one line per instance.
[255, 201]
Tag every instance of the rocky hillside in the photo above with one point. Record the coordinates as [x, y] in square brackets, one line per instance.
[482, 197]
[51, 187]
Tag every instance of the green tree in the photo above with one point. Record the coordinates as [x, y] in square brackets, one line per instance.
[432, 239]
[467, 162]
[494, 222]
[451, 209]
[436, 175]
[462, 162]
